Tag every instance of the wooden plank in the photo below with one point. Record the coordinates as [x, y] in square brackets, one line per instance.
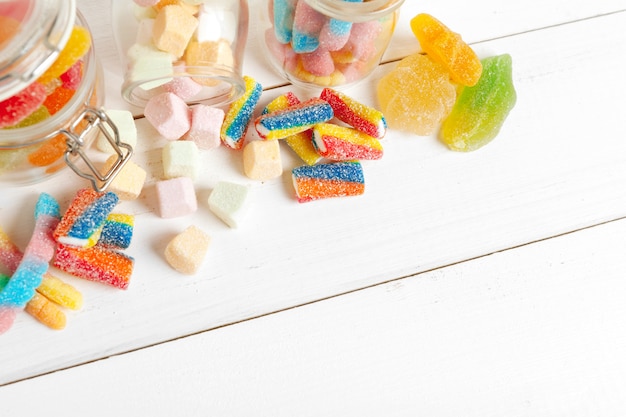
[539, 330]
[557, 166]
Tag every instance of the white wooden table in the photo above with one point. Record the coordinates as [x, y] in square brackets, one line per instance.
[484, 284]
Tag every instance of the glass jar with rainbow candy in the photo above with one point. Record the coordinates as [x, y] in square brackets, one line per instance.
[50, 91]
[328, 43]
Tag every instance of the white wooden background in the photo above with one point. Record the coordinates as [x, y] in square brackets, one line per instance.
[482, 284]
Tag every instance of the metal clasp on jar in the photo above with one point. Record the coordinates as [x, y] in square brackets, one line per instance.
[78, 134]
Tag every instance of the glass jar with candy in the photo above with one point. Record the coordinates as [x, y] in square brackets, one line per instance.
[328, 43]
[50, 91]
[193, 48]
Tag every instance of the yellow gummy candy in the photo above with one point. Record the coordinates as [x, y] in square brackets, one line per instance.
[60, 292]
[416, 95]
[447, 48]
[77, 45]
[46, 312]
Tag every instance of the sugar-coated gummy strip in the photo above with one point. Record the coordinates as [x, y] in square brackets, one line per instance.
[341, 143]
[295, 119]
[338, 179]
[82, 222]
[37, 255]
[97, 264]
[51, 289]
[60, 292]
[358, 115]
[283, 19]
[117, 231]
[240, 113]
[301, 143]
[45, 311]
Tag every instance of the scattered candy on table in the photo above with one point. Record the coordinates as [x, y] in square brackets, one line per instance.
[416, 95]
[481, 110]
[294, 119]
[339, 179]
[176, 197]
[261, 160]
[187, 250]
[81, 224]
[361, 117]
[341, 143]
[230, 202]
[239, 114]
[180, 159]
[447, 48]
[96, 263]
[129, 181]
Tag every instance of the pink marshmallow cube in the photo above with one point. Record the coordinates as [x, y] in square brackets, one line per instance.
[169, 115]
[176, 197]
[183, 87]
[206, 123]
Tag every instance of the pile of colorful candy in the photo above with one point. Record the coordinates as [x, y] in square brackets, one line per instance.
[447, 85]
[44, 98]
[186, 47]
[311, 47]
[87, 241]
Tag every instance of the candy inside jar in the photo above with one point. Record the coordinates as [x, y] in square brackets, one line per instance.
[328, 43]
[194, 47]
[49, 94]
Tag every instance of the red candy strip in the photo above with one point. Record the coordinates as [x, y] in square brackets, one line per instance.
[96, 263]
[15, 109]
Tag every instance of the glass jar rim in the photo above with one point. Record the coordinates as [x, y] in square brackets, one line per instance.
[43, 32]
[355, 11]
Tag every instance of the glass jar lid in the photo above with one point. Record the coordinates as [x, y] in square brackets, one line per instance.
[32, 35]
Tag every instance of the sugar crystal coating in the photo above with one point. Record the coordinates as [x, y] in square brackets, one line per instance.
[358, 115]
[36, 257]
[129, 181]
[181, 159]
[82, 222]
[447, 48]
[239, 114]
[16, 108]
[481, 110]
[96, 263]
[230, 202]
[206, 123]
[301, 143]
[76, 47]
[173, 28]
[176, 197]
[261, 160]
[294, 119]
[340, 143]
[416, 95]
[169, 115]
[187, 250]
[339, 179]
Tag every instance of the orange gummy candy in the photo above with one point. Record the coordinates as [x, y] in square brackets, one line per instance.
[77, 45]
[49, 151]
[58, 99]
[447, 48]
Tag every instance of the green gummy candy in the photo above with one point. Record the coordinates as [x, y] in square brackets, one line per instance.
[480, 110]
